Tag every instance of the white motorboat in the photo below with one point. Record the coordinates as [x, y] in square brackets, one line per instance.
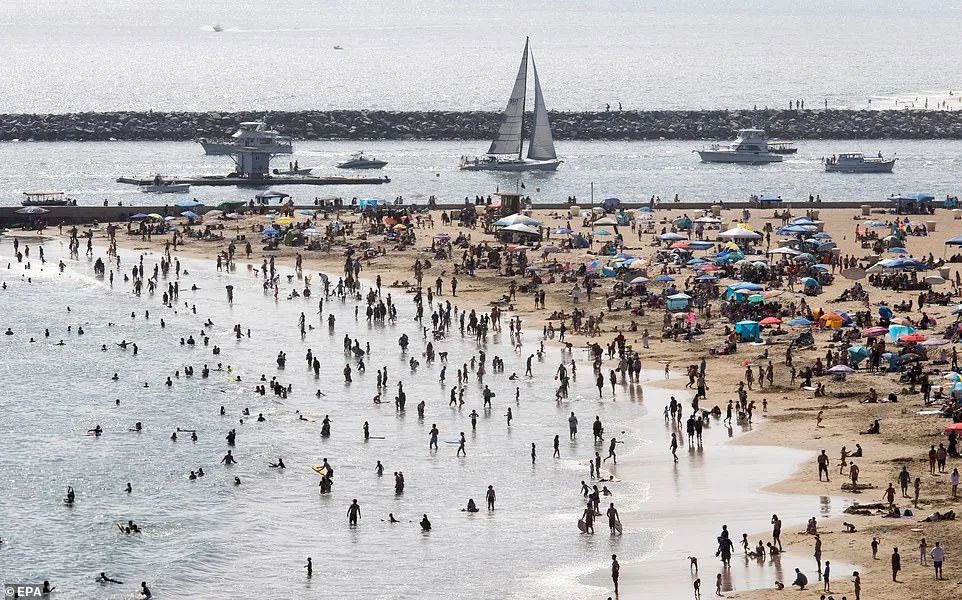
[292, 172]
[509, 140]
[252, 135]
[166, 188]
[856, 162]
[359, 161]
[750, 147]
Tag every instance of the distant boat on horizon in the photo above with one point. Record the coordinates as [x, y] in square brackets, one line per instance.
[218, 28]
[509, 140]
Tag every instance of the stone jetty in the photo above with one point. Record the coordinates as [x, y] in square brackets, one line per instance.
[440, 125]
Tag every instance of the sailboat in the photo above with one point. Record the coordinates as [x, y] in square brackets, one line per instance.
[507, 149]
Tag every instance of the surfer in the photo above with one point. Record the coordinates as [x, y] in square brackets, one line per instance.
[279, 464]
[425, 524]
[96, 431]
[102, 578]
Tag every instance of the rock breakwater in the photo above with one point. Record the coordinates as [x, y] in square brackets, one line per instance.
[440, 125]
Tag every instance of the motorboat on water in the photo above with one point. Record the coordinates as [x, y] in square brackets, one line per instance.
[166, 188]
[782, 147]
[856, 162]
[359, 161]
[252, 135]
[509, 140]
[750, 147]
[218, 28]
[45, 198]
[159, 186]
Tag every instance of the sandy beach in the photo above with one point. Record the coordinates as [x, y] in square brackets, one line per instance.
[791, 418]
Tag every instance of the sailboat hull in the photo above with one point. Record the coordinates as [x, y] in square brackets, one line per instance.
[514, 166]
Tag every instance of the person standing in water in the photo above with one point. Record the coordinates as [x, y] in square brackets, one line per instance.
[615, 572]
[353, 513]
[490, 497]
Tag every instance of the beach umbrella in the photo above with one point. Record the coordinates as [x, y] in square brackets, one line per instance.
[311, 232]
[954, 241]
[270, 194]
[155, 216]
[561, 230]
[551, 249]
[602, 232]
[516, 219]
[706, 278]
[192, 203]
[898, 250]
[606, 221]
[639, 280]
[442, 236]
[853, 273]
[709, 268]
[756, 298]
[747, 285]
[270, 232]
[739, 233]
[32, 210]
[169, 218]
[800, 322]
[934, 342]
[805, 257]
[875, 331]
[785, 251]
[770, 321]
[956, 427]
[671, 237]
[521, 228]
[189, 214]
[699, 245]
[679, 245]
[952, 376]
[708, 220]
[663, 278]
[934, 280]
[284, 220]
[841, 369]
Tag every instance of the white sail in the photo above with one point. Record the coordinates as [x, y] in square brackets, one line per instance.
[541, 146]
[508, 140]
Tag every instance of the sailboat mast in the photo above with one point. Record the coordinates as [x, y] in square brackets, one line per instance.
[524, 95]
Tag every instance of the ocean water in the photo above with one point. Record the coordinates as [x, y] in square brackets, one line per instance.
[632, 171]
[79, 55]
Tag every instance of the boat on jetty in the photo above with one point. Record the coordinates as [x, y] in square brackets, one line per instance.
[161, 186]
[45, 198]
[750, 147]
[252, 135]
[292, 172]
[359, 161]
[509, 140]
[856, 162]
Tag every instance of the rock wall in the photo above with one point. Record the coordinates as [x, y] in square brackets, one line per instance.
[385, 125]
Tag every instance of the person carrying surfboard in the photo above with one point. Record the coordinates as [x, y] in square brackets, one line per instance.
[614, 519]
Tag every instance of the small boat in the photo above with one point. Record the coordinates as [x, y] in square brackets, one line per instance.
[292, 172]
[218, 28]
[750, 147]
[856, 162]
[338, 47]
[252, 135]
[45, 198]
[359, 161]
[509, 139]
[782, 147]
[159, 186]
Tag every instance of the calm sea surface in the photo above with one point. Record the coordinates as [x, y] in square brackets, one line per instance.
[79, 55]
[632, 171]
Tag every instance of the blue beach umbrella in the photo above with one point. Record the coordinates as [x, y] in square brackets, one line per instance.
[138, 217]
[189, 214]
[800, 322]
[270, 232]
[192, 203]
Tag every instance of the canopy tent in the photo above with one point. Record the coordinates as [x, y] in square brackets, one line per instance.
[516, 219]
[748, 330]
[678, 301]
[739, 233]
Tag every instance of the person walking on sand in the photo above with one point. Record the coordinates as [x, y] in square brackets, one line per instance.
[674, 446]
[857, 583]
[825, 576]
[615, 572]
[776, 531]
[823, 466]
[896, 564]
[938, 555]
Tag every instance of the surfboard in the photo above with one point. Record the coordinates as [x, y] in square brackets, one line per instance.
[319, 469]
[618, 527]
[581, 526]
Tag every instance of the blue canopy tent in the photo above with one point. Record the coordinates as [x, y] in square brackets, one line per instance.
[912, 203]
[748, 330]
[954, 241]
[679, 301]
[857, 354]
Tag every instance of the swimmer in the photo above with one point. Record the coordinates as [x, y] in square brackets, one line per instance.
[96, 431]
[279, 464]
